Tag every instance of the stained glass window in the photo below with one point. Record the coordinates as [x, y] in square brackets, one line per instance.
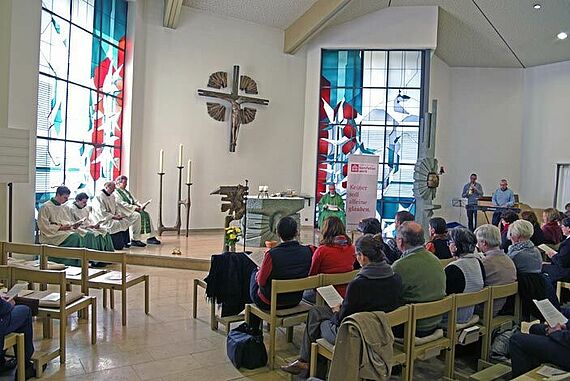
[370, 103]
[80, 94]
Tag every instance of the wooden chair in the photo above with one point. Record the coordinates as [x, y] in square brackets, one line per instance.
[16, 341]
[226, 321]
[10, 248]
[286, 318]
[61, 312]
[500, 292]
[395, 318]
[117, 280]
[559, 286]
[426, 347]
[473, 299]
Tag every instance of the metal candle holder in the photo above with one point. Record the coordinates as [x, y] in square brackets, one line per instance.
[176, 228]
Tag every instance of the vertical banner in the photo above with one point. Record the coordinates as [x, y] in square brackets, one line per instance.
[362, 187]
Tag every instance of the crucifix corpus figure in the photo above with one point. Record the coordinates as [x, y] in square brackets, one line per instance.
[239, 115]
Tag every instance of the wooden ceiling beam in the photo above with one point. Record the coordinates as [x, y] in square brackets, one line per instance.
[172, 9]
[310, 23]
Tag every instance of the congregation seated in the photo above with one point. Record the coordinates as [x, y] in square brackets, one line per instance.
[129, 205]
[423, 278]
[507, 218]
[106, 211]
[550, 228]
[288, 260]
[57, 228]
[400, 218]
[438, 238]
[466, 274]
[541, 345]
[559, 269]
[80, 213]
[335, 254]
[374, 227]
[538, 236]
[567, 210]
[375, 274]
[17, 318]
[525, 255]
[499, 267]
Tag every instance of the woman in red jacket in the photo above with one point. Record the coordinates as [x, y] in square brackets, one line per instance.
[335, 254]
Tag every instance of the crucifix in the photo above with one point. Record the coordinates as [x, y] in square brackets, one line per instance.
[238, 115]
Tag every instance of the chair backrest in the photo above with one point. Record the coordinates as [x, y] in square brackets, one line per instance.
[434, 309]
[473, 298]
[118, 257]
[336, 279]
[292, 285]
[9, 248]
[5, 274]
[445, 262]
[502, 291]
[50, 251]
[42, 277]
[399, 316]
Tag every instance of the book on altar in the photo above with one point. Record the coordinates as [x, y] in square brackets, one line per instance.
[547, 249]
[145, 204]
[330, 295]
[334, 208]
[15, 290]
[257, 257]
[550, 313]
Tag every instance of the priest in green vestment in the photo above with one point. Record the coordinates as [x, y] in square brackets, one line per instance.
[130, 205]
[331, 204]
[80, 213]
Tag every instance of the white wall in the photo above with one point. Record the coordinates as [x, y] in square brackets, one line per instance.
[378, 30]
[177, 63]
[547, 130]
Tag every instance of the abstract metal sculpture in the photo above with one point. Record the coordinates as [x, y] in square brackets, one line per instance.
[239, 115]
[236, 196]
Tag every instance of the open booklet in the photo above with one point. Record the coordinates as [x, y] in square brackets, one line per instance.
[257, 257]
[333, 208]
[15, 290]
[547, 249]
[330, 295]
[550, 313]
[145, 204]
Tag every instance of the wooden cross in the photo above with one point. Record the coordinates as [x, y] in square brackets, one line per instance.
[238, 114]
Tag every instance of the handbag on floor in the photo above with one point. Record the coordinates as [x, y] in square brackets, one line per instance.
[245, 347]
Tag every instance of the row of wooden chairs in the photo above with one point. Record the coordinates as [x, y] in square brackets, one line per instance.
[88, 278]
[412, 348]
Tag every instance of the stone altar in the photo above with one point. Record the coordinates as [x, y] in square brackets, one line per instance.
[263, 214]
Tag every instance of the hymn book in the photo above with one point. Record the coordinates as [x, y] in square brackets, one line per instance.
[330, 295]
[547, 249]
[145, 204]
[257, 257]
[550, 313]
[15, 290]
[333, 208]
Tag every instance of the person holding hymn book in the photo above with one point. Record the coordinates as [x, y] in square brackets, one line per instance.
[550, 228]
[79, 212]
[545, 343]
[559, 269]
[438, 238]
[130, 205]
[288, 260]
[335, 254]
[331, 204]
[375, 274]
[466, 274]
[499, 268]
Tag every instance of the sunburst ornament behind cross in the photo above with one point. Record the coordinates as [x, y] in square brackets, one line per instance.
[238, 115]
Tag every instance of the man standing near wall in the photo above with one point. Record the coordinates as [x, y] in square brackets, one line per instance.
[504, 198]
[472, 191]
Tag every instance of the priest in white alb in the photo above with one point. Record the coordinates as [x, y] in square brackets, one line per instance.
[55, 223]
[106, 211]
[130, 205]
[80, 212]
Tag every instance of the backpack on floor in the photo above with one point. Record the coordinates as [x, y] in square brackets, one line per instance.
[245, 347]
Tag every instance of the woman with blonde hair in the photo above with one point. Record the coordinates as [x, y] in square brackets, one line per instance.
[551, 229]
[524, 254]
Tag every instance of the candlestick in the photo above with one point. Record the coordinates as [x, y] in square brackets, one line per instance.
[161, 161]
[180, 154]
[189, 173]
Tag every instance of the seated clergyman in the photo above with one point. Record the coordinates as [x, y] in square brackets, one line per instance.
[57, 226]
[106, 211]
[131, 205]
[80, 213]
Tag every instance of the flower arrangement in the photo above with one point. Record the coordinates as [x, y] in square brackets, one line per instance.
[232, 235]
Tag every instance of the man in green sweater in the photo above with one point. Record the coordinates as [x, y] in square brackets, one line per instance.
[423, 278]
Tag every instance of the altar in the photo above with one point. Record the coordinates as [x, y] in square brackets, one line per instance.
[263, 214]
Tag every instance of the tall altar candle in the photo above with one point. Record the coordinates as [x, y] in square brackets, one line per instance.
[180, 154]
[189, 173]
[161, 161]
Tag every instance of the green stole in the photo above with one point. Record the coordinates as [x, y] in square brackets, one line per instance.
[145, 217]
